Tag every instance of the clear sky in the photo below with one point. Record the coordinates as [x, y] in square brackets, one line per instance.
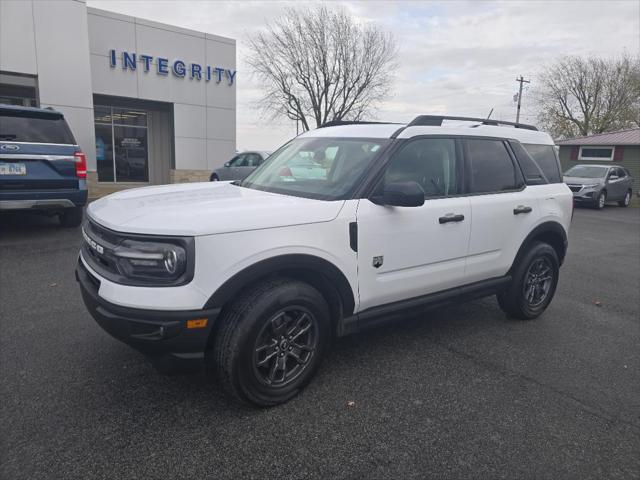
[456, 57]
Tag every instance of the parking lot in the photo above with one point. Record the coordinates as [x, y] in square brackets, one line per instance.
[461, 392]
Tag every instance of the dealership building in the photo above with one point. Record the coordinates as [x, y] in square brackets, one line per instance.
[148, 103]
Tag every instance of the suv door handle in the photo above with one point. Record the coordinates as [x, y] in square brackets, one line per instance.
[451, 218]
[521, 209]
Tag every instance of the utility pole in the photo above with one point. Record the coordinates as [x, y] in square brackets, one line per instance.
[521, 80]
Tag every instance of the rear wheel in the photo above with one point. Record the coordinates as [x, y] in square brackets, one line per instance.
[71, 217]
[533, 284]
[270, 341]
[626, 200]
[601, 200]
[214, 178]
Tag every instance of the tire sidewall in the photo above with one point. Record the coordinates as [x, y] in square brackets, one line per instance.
[244, 378]
[539, 250]
[600, 205]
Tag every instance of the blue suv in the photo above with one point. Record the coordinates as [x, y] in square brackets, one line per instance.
[41, 166]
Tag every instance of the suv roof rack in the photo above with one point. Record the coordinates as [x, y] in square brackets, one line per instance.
[335, 123]
[436, 121]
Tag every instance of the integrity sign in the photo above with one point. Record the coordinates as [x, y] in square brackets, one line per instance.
[178, 68]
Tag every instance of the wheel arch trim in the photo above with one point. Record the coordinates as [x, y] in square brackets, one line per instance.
[282, 263]
[545, 231]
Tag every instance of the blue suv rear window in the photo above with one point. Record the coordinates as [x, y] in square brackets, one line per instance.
[30, 128]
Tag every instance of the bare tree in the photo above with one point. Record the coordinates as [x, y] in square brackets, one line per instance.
[318, 65]
[582, 96]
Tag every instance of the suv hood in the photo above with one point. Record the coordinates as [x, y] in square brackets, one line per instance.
[205, 208]
[582, 180]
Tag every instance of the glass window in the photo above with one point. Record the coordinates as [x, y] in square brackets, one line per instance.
[596, 153]
[131, 154]
[236, 161]
[28, 127]
[104, 153]
[491, 167]
[545, 157]
[586, 171]
[129, 116]
[253, 159]
[430, 162]
[121, 144]
[300, 168]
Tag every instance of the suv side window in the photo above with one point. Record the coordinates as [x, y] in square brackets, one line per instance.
[431, 162]
[492, 169]
[252, 160]
[545, 157]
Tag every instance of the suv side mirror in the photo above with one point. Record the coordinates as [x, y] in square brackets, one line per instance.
[227, 164]
[402, 194]
[613, 177]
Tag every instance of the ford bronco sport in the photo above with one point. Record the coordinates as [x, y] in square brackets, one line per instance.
[254, 278]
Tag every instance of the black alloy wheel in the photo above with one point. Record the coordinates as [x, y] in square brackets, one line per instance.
[538, 280]
[270, 341]
[285, 345]
[534, 278]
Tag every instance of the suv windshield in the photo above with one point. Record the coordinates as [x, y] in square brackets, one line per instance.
[27, 127]
[322, 168]
[586, 171]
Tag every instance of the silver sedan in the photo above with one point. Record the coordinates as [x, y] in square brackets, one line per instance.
[239, 166]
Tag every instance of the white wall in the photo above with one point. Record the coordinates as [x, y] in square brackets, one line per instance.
[49, 39]
[67, 46]
[204, 112]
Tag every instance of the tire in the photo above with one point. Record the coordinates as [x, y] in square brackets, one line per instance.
[600, 201]
[71, 217]
[278, 323]
[515, 301]
[626, 200]
[214, 178]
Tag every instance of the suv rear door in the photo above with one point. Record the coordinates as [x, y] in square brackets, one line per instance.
[36, 151]
[504, 210]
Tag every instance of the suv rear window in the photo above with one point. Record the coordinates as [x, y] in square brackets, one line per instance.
[27, 127]
[491, 167]
[545, 157]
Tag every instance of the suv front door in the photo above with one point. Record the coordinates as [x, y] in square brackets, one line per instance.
[406, 252]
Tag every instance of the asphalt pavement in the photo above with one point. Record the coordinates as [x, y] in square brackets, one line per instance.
[457, 393]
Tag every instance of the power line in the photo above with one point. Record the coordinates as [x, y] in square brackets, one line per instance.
[521, 80]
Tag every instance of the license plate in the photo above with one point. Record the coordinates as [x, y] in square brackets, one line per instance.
[13, 169]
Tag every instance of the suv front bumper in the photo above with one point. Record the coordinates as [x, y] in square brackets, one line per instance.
[162, 335]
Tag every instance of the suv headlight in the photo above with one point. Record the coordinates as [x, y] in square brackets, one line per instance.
[594, 185]
[150, 260]
[138, 259]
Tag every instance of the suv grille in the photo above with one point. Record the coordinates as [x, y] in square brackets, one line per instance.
[575, 188]
[97, 248]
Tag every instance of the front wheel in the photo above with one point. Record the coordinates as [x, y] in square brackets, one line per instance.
[626, 200]
[533, 283]
[270, 341]
[214, 178]
[601, 200]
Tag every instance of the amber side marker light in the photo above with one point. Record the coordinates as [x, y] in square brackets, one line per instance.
[197, 323]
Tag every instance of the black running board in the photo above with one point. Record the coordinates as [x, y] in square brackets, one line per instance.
[375, 316]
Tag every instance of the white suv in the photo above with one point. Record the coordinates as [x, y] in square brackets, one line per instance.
[343, 228]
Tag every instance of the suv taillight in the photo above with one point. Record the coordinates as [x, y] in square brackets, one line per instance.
[81, 164]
